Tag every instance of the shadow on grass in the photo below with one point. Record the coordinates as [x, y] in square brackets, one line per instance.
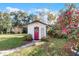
[9, 43]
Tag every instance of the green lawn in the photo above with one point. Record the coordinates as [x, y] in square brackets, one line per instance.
[10, 41]
[52, 48]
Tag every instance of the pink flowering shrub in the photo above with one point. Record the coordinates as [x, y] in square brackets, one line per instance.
[69, 24]
[69, 20]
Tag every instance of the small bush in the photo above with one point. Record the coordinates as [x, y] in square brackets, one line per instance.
[44, 39]
[59, 35]
[68, 45]
[64, 36]
[77, 47]
[50, 31]
[28, 37]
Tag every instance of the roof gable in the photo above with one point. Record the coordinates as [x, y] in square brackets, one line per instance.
[38, 22]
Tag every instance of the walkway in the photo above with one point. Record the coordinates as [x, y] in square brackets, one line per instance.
[5, 52]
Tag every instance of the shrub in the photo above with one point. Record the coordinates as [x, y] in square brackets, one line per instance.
[68, 45]
[28, 37]
[50, 31]
[56, 32]
[44, 39]
[59, 34]
[78, 47]
[64, 36]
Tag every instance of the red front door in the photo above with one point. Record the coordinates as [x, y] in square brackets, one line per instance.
[36, 33]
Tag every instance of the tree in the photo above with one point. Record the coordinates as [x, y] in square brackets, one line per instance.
[19, 18]
[51, 17]
[1, 24]
[31, 18]
[5, 22]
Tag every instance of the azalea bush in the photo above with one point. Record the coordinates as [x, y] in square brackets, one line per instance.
[69, 24]
[69, 21]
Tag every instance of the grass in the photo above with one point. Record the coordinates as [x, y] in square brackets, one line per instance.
[51, 48]
[10, 41]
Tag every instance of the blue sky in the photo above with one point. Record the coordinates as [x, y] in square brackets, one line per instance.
[28, 6]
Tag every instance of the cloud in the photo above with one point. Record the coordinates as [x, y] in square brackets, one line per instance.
[42, 10]
[10, 9]
[39, 10]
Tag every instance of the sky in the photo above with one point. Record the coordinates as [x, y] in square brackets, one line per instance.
[28, 6]
[32, 6]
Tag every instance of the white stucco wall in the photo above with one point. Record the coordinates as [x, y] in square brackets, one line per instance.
[37, 24]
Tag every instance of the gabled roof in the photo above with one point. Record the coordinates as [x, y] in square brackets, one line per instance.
[39, 22]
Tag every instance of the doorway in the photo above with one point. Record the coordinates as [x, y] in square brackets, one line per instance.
[36, 33]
